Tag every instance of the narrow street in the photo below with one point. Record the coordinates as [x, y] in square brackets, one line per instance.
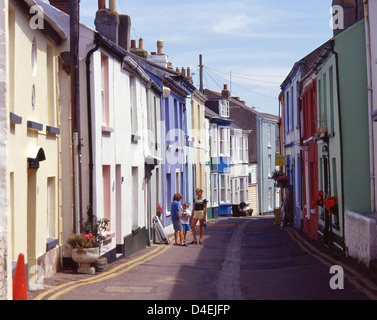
[241, 259]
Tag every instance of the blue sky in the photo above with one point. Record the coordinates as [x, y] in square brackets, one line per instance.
[257, 42]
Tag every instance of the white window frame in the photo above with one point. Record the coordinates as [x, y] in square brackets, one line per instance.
[245, 149]
[224, 108]
[214, 136]
[224, 139]
[215, 190]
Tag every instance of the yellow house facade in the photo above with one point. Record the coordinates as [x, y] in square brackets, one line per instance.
[33, 168]
[198, 133]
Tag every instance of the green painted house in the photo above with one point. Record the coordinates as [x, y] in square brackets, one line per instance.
[343, 139]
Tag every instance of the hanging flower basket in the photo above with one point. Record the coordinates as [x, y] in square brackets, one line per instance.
[318, 200]
[281, 179]
[331, 205]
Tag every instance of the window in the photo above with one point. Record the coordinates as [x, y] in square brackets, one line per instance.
[235, 190]
[253, 174]
[106, 179]
[224, 188]
[133, 101]
[270, 199]
[244, 189]
[215, 190]
[51, 208]
[34, 58]
[224, 108]
[287, 113]
[135, 199]
[240, 149]
[269, 135]
[269, 166]
[292, 110]
[50, 67]
[224, 141]
[245, 149]
[177, 184]
[33, 98]
[213, 140]
[105, 89]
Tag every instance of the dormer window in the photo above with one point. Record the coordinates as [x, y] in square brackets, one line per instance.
[224, 108]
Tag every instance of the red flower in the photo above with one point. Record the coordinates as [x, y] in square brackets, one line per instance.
[331, 204]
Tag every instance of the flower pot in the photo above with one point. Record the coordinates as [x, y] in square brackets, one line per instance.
[100, 264]
[85, 257]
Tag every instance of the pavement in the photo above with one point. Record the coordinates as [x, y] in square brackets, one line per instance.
[247, 258]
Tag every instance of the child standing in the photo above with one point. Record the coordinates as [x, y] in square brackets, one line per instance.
[185, 220]
[176, 219]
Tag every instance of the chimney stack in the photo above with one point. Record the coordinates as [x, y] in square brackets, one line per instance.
[115, 27]
[160, 58]
[225, 93]
[353, 11]
[62, 5]
[138, 51]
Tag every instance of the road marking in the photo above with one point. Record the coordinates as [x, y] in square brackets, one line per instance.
[117, 289]
[329, 262]
[229, 281]
[109, 274]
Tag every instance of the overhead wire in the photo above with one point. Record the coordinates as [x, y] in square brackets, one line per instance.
[206, 70]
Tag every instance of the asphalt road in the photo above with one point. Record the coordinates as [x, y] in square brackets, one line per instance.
[241, 259]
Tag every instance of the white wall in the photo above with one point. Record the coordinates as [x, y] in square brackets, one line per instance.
[360, 237]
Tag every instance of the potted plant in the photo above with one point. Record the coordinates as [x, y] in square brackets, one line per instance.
[86, 246]
[281, 179]
[159, 210]
[85, 251]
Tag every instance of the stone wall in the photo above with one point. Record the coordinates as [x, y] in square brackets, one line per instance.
[360, 237]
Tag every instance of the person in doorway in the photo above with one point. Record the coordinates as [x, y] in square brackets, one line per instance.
[176, 219]
[185, 220]
[199, 212]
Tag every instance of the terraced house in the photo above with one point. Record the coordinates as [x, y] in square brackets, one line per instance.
[33, 136]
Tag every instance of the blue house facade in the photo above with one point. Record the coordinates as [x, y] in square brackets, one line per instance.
[291, 125]
[220, 156]
[173, 145]
[266, 132]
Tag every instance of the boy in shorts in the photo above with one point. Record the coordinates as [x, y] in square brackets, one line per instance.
[176, 219]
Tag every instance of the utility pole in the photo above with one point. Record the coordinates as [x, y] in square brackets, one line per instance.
[74, 7]
[201, 73]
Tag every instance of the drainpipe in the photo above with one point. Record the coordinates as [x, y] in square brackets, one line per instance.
[370, 108]
[75, 110]
[340, 138]
[90, 135]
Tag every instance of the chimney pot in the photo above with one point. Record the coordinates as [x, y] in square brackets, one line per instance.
[133, 44]
[188, 72]
[101, 4]
[113, 5]
[141, 43]
[184, 72]
[160, 47]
